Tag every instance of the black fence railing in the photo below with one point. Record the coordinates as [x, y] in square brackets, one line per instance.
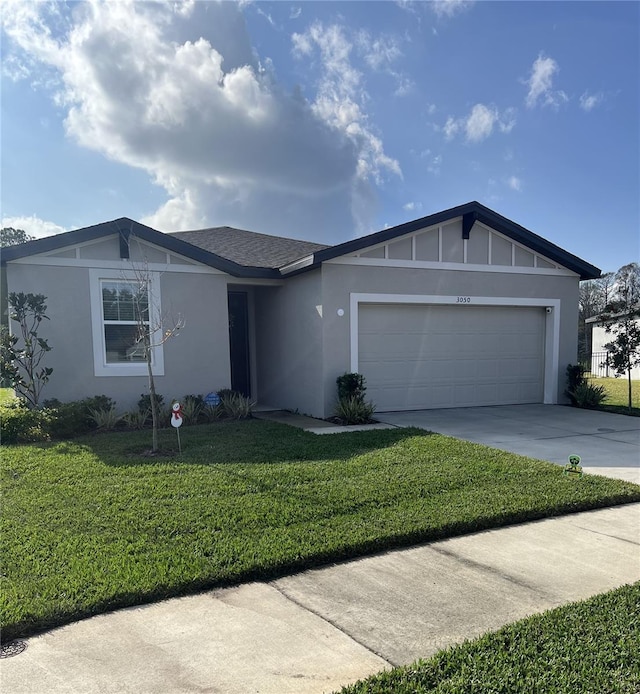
[599, 367]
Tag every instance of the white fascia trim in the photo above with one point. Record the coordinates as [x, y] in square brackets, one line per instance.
[100, 367]
[462, 267]
[552, 324]
[297, 265]
[116, 265]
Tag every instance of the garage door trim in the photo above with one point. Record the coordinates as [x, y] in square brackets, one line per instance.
[552, 325]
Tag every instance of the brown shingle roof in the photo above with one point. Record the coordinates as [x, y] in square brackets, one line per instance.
[249, 248]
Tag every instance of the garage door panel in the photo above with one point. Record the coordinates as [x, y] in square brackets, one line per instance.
[418, 356]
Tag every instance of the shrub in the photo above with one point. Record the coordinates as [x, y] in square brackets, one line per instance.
[354, 410]
[192, 408]
[210, 413]
[144, 404]
[106, 419]
[351, 385]
[136, 419]
[234, 405]
[575, 378]
[352, 407]
[69, 419]
[588, 395]
[19, 424]
[75, 418]
[98, 402]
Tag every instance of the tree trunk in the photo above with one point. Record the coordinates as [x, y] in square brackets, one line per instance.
[152, 395]
[629, 380]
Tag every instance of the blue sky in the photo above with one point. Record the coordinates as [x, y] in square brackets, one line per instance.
[327, 120]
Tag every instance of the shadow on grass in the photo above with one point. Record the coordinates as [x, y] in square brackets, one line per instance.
[252, 441]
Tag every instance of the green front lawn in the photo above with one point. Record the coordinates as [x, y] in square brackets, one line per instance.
[589, 647]
[92, 524]
[617, 390]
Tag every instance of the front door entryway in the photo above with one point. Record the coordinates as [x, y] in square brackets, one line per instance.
[239, 342]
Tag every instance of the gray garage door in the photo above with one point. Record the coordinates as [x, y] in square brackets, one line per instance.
[419, 357]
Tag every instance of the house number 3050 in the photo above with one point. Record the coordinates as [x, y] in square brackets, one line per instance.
[463, 300]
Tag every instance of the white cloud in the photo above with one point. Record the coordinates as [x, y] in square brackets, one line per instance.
[378, 52]
[514, 183]
[540, 84]
[206, 121]
[480, 122]
[450, 8]
[589, 101]
[451, 127]
[409, 206]
[340, 102]
[34, 226]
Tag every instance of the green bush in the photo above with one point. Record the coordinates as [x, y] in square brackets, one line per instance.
[136, 419]
[144, 403]
[234, 405]
[352, 407]
[76, 417]
[106, 419]
[575, 379]
[211, 413]
[192, 408]
[588, 395]
[354, 410]
[351, 385]
[19, 424]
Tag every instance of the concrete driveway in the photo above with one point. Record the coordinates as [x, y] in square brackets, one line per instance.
[608, 444]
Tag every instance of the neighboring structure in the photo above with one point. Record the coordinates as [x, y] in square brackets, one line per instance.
[599, 338]
[461, 308]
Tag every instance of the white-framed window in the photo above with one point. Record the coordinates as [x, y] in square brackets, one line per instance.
[122, 306]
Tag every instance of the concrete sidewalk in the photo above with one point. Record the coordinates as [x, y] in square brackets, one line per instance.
[319, 630]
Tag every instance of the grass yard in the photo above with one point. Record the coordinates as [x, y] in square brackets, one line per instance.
[589, 647]
[618, 394]
[91, 525]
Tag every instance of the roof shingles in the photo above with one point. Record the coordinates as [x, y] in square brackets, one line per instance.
[248, 248]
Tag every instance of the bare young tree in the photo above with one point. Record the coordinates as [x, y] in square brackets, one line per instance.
[153, 329]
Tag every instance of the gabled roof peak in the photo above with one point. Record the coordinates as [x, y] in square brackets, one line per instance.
[252, 254]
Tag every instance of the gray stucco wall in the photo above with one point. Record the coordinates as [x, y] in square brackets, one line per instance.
[339, 281]
[289, 344]
[196, 361]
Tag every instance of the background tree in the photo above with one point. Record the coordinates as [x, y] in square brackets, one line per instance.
[592, 299]
[621, 319]
[9, 237]
[21, 354]
[12, 237]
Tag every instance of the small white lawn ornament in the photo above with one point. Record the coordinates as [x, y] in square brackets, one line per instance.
[176, 420]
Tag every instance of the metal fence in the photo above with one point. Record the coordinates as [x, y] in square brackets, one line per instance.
[598, 366]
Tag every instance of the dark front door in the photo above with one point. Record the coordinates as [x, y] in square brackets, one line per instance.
[239, 342]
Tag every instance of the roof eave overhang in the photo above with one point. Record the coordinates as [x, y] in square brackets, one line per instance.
[125, 228]
[470, 213]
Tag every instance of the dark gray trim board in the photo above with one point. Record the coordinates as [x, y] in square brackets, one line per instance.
[257, 253]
